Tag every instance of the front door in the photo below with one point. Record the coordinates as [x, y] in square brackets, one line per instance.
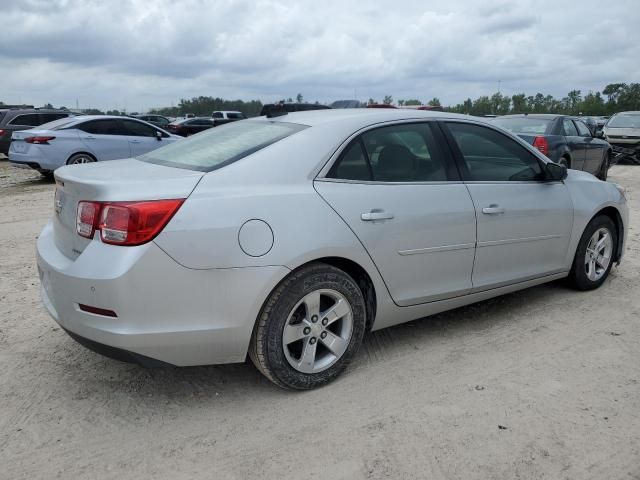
[399, 191]
[142, 138]
[105, 139]
[524, 222]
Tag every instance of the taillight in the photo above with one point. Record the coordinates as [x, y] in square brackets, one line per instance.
[541, 144]
[87, 217]
[39, 140]
[2, 132]
[125, 223]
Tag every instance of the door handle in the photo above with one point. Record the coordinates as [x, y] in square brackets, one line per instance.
[376, 214]
[89, 137]
[134, 141]
[493, 209]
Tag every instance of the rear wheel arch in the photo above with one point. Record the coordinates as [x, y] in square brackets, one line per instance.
[80, 153]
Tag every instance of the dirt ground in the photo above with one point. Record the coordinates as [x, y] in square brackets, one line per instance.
[543, 383]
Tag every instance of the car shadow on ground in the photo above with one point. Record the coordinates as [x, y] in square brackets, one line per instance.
[193, 385]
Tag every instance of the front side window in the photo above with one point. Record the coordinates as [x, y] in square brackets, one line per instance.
[138, 129]
[235, 115]
[492, 156]
[399, 153]
[569, 128]
[583, 130]
[220, 146]
[217, 115]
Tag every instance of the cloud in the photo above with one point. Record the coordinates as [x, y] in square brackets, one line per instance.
[141, 53]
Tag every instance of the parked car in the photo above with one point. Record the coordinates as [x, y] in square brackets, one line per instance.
[288, 237]
[622, 131]
[188, 126]
[84, 139]
[565, 140]
[348, 104]
[16, 119]
[288, 107]
[220, 117]
[157, 120]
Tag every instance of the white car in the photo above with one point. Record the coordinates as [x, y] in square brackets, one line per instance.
[289, 237]
[84, 139]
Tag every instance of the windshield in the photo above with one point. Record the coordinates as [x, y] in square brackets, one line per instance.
[222, 145]
[625, 121]
[531, 125]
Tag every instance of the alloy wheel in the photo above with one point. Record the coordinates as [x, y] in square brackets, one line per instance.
[317, 331]
[598, 254]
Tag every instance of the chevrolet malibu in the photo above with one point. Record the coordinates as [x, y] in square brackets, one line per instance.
[287, 238]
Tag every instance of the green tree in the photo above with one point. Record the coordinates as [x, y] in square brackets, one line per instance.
[412, 102]
[299, 98]
[434, 102]
[388, 100]
[519, 103]
[371, 101]
[401, 102]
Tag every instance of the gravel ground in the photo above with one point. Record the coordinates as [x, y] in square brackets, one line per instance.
[543, 383]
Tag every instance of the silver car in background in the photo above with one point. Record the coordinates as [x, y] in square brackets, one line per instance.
[287, 238]
[84, 139]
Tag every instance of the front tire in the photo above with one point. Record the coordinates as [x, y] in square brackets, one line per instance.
[595, 254]
[310, 328]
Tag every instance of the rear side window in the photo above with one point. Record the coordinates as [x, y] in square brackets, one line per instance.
[235, 115]
[399, 153]
[491, 156]
[50, 117]
[217, 147]
[27, 120]
[217, 115]
[102, 127]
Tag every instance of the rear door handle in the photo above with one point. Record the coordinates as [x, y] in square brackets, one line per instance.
[376, 214]
[493, 210]
[89, 137]
[134, 141]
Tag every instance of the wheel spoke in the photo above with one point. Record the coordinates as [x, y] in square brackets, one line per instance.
[591, 271]
[602, 260]
[336, 312]
[333, 342]
[312, 303]
[308, 357]
[293, 333]
[600, 244]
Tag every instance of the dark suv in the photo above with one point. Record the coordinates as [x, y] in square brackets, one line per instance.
[13, 119]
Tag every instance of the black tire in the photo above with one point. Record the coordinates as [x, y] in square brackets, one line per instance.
[604, 168]
[266, 349]
[80, 158]
[578, 275]
[564, 161]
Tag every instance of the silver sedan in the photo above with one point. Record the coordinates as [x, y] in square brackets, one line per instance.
[288, 238]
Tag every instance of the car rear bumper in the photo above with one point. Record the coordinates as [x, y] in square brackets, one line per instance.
[34, 158]
[165, 312]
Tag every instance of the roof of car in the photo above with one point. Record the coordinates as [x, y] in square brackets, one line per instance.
[545, 116]
[364, 116]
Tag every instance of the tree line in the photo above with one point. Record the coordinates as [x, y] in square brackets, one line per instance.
[615, 97]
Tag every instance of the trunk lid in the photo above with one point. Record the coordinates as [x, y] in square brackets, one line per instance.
[118, 180]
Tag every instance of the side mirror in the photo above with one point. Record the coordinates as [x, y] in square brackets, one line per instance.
[599, 134]
[555, 172]
[158, 135]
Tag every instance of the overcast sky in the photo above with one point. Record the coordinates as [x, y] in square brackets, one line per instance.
[138, 54]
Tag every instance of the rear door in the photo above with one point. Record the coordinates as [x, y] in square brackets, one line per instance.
[105, 138]
[524, 222]
[576, 143]
[594, 150]
[399, 191]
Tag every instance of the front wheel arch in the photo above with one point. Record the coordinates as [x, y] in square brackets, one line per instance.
[616, 218]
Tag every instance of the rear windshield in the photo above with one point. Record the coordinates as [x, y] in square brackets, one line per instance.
[58, 124]
[624, 121]
[531, 125]
[220, 146]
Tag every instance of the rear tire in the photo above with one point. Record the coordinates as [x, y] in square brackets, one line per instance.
[564, 161]
[310, 328]
[595, 254]
[80, 158]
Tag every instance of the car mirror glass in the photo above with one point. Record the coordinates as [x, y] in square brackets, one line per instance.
[555, 172]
